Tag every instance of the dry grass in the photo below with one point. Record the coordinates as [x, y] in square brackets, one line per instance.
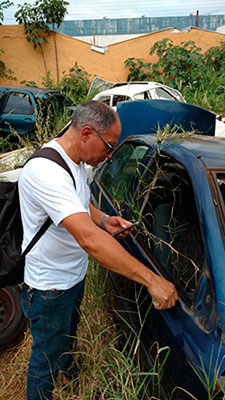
[13, 366]
[96, 329]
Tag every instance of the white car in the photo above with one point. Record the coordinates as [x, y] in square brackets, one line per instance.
[138, 91]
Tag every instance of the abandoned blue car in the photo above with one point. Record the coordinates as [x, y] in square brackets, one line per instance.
[174, 185]
[21, 105]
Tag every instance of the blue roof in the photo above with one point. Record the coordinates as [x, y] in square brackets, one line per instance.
[121, 26]
[210, 150]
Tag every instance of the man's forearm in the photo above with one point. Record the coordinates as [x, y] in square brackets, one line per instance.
[96, 215]
[110, 254]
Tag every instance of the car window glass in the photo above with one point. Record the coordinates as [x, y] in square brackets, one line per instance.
[119, 99]
[142, 96]
[19, 103]
[176, 95]
[117, 175]
[164, 94]
[105, 99]
[172, 233]
[160, 93]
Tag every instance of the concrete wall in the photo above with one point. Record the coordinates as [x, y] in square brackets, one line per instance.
[28, 65]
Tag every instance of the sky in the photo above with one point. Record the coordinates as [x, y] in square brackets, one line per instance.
[98, 9]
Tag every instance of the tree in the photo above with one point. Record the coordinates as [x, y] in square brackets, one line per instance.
[138, 69]
[178, 65]
[37, 18]
[34, 25]
[4, 72]
[3, 6]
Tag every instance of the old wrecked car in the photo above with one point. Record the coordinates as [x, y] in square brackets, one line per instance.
[137, 90]
[20, 107]
[175, 186]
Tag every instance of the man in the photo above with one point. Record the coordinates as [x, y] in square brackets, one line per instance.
[56, 266]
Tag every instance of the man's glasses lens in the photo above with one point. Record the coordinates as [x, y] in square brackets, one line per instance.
[110, 146]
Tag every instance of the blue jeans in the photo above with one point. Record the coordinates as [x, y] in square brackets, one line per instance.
[53, 315]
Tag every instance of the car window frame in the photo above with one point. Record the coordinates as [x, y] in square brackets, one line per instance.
[106, 102]
[189, 302]
[7, 94]
[217, 200]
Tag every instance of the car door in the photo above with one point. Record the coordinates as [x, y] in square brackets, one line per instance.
[18, 112]
[158, 191]
[173, 240]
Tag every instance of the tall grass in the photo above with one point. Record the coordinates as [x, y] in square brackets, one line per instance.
[110, 367]
[107, 355]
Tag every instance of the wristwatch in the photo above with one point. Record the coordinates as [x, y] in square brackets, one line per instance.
[103, 221]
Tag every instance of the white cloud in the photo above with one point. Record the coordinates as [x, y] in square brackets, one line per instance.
[89, 9]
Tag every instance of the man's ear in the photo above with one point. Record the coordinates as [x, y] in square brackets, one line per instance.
[86, 133]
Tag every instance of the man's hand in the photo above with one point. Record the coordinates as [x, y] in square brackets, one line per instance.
[163, 292]
[110, 254]
[115, 224]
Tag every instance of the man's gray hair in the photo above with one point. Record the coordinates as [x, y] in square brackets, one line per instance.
[95, 114]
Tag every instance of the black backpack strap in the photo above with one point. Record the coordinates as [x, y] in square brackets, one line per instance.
[53, 155]
[37, 236]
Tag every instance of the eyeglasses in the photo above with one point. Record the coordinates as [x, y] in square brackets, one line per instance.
[110, 146]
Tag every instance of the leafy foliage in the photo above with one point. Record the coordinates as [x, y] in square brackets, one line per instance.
[4, 72]
[36, 19]
[32, 18]
[75, 83]
[200, 76]
[53, 11]
[179, 64]
[3, 6]
[139, 70]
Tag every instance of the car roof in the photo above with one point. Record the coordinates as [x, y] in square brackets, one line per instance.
[37, 91]
[210, 150]
[132, 88]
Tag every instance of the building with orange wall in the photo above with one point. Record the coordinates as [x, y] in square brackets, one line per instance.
[107, 63]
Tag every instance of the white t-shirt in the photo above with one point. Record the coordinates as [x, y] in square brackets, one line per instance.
[46, 189]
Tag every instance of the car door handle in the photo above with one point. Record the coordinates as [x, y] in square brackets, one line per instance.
[27, 119]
